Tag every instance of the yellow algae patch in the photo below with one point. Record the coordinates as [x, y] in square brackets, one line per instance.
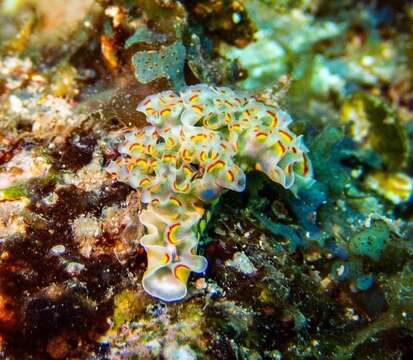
[395, 187]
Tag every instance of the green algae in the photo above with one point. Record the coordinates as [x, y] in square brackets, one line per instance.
[279, 229]
[167, 63]
[370, 242]
[166, 60]
[127, 305]
[328, 149]
[382, 128]
[13, 193]
[144, 35]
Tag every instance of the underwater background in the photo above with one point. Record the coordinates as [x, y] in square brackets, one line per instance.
[290, 238]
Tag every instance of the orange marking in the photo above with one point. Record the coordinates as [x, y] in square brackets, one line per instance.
[131, 166]
[154, 188]
[194, 98]
[175, 201]
[165, 112]
[144, 182]
[165, 258]
[230, 176]
[285, 135]
[210, 125]
[171, 233]
[199, 209]
[274, 118]
[182, 134]
[182, 272]
[141, 163]
[136, 147]
[305, 164]
[186, 155]
[217, 165]
[162, 101]
[199, 137]
[214, 155]
[261, 136]
[188, 171]
[198, 108]
[236, 127]
[168, 157]
[180, 188]
[280, 147]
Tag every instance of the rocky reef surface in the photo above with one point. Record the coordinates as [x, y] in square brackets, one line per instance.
[321, 272]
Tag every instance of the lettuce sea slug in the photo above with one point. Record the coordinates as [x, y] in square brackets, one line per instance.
[197, 145]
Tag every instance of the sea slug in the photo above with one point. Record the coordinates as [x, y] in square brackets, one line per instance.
[197, 145]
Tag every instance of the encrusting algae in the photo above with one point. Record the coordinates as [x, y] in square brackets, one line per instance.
[199, 144]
